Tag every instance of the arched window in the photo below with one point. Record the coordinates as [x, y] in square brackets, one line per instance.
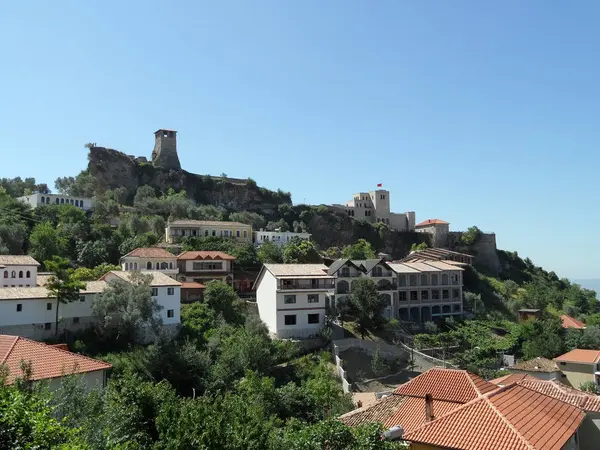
[57, 201]
[149, 265]
[163, 265]
[13, 274]
[76, 202]
[72, 201]
[6, 274]
[43, 200]
[126, 266]
[20, 274]
[157, 266]
[170, 265]
[28, 274]
[48, 200]
[62, 201]
[134, 266]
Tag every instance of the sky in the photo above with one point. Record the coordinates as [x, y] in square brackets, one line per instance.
[477, 113]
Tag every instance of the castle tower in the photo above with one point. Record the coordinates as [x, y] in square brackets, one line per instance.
[165, 150]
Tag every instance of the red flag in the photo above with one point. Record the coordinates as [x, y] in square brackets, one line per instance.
[379, 184]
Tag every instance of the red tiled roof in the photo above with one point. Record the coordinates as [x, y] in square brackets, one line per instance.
[379, 411]
[205, 255]
[580, 356]
[564, 393]
[150, 252]
[511, 418]
[538, 364]
[411, 414]
[571, 322]
[191, 285]
[451, 385]
[47, 361]
[509, 379]
[432, 222]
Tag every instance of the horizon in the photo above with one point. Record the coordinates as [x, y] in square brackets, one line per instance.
[477, 114]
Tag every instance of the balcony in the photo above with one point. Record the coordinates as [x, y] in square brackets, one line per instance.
[288, 285]
[348, 274]
[383, 286]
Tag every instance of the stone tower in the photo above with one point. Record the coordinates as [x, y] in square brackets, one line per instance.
[165, 150]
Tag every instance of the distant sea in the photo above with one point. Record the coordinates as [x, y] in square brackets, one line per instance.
[589, 283]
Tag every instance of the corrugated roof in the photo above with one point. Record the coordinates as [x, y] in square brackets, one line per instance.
[206, 223]
[149, 252]
[18, 260]
[314, 270]
[580, 356]
[538, 364]
[158, 278]
[571, 322]
[511, 418]
[202, 255]
[451, 385]
[432, 222]
[46, 361]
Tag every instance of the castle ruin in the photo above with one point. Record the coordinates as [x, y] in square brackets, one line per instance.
[165, 150]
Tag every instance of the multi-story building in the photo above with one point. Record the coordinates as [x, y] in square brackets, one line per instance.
[438, 229]
[374, 206]
[204, 266]
[178, 229]
[580, 366]
[292, 298]
[279, 238]
[38, 199]
[427, 290]
[153, 258]
[18, 271]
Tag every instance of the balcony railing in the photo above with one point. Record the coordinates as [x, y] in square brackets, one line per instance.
[306, 284]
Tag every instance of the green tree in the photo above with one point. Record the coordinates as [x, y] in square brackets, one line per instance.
[588, 386]
[361, 249]
[87, 274]
[61, 284]
[542, 338]
[256, 220]
[223, 300]
[197, 320]
[366, 305]
[333, 252]
[45, 242]
[270, 253]
[590, 338]
[471, 236]
[92, 253]
[246, 255]
[301, 252]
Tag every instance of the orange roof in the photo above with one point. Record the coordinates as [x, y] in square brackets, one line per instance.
[432, 222]
[580, 356]
[150, 252]
[191, 285]
[205, 255]
[571, 322]
[564, 393]
[509, 379]
[451, 385]
[380, 411]
[511, 418]
[411, 414]
[47, 361]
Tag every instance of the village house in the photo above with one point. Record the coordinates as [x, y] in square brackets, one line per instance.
[49, 363]
[178, 229]
[292, 298]
[153, 258]
[542, 368]
[204, 266]
[18, 271]
[38, 199]
[571, 322]
[580, 366]
[279, 238]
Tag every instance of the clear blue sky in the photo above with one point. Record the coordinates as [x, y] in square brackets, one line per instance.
[473, 112]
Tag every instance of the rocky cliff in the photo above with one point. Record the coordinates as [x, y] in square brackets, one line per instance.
[112, 169]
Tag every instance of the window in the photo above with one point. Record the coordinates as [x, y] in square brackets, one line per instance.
[245, 233]
[20, 274]
[313, 298]
[57, 201]
[76, 202]
[423, 280]
[402, 280]
[290, 320]
[237, 233]
[170, 291]
[154, 292]
[170, 265]
[289, 299]
[205, 232]
[377, 271]
[164, 266]
[414, 295]
[75, 320]
[214, 232]
[6, 274]
[445, 279]
[170, 313]
[135, 266]
[13, 274]
[445, 293]
[48, 326]
[424, 295]
[48, 306]
[313, 318]
[402, 296]
[413, 280]
[434, 279]
[82, 298]
[19, 307]
[454, 293]
[157, 266]
[435, 295]
[149, 265]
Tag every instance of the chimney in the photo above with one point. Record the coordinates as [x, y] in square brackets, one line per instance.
[428, 408]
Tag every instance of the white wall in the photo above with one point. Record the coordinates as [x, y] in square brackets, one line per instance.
[169, 302]
[25, 281]
[36, 200]
[301, 309]
[266, 300]
[91, 380]
[189, 266]
[279, 238]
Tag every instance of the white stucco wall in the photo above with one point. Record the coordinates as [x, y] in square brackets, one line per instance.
[7, 280]
[92, 380]
[279, 238]
[36, 200]
[301, 309]
[266, 300]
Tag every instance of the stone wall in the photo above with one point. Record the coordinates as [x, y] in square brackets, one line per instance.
[484, 249]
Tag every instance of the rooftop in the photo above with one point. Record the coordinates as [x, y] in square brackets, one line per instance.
[47, 361]
[158, 278]
[38, 292]
[200, 223]
[538, 364]
[580, 356]
[571, 322]
[205, 255]
[191, 285]
[432, 222]
[292, 270]
[514, 417]
[150, 252]
[18, 260]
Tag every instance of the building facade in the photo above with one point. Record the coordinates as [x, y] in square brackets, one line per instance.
[438, 229]
[204, 266]
[38, 199]
[18, 271]
[292, 298]
[178, 229]
[151, 259]
[374, 206]
[279, 238]
[580, 366]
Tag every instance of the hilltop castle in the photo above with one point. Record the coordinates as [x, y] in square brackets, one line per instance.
[165, 150]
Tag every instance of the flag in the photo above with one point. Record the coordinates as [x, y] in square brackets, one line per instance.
[379, 184]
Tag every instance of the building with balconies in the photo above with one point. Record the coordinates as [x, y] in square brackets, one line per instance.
[152, 258]
[427, 290]
[204, 266]
[292, 298]
[179, 229]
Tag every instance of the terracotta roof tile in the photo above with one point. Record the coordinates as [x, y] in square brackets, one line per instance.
[538, 364]
[511, 418]
[580, 356]
[150, 252]
[47, 361]
[432, 222]
[191, 285]
[309, 270]
[571, 322]
[451, 385]
[200, 223]
[509, 379]
[202, 255]
[411, 414]
[380, 411]
[18, 260]
[158, 278]
[564, 393]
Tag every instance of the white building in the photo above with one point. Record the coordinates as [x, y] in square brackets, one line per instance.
[374, 206]
[291, 298]
[205, 266]
[18, 271]
[279, 238]
[153, 258]
[38, 199]
[49, 363]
